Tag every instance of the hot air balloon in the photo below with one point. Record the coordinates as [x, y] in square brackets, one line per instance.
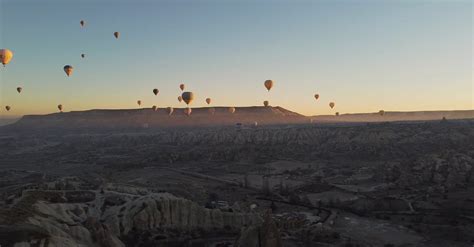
[60, 107]
[156, 91]
[154, 108]
[255, 124]
[316, 96]
[188, 97]
[332, 104]
[5, 56]
[381, 112]
[83, 55]
[18, 89]
[187, 111]
[7, 108]
[83, 23]
[117, 35]
[139, 102]
[212, 110]
[68, 69]
[169, 110]
[181, 86]
[265, 103]
[208, 101]
[231, 110]
[337, 113]
[268, 84]
[180, 98]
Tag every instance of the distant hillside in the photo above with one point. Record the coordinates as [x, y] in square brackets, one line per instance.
[396, 116]
[147, 118]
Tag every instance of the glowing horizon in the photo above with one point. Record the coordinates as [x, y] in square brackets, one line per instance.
[365, 56]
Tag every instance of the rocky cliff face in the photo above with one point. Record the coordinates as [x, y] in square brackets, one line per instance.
[92, 218]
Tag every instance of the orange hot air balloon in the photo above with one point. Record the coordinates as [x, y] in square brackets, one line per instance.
[268, 84]
[60, 107]
[181, 86]
[188, 111]
[316, 96]
[18, 89]
[231, 110]
[265, 103]
[154, 108]
[332, 104]
[188, 97]
[169, 110]
[156, 91]
[5, 56]
[7, 108]
[139, 102]
[208, 101]
[117, 35]
[68, 69]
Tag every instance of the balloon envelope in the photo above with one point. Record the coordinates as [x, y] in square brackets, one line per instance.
[332, 104]
[5, 56]
[68, 69]
[7, 108]
[265, 103]
[268, 84]
[231, 110]
[117, 35]
[139, 102]
[316, 96]
[154, 108]
[188, 111]
[188, 97]
[83, 23]
[381, 112]
[156, 91]
[60, 107]
[19, 89]
[169, 110]
[208, 101]
[181, 86]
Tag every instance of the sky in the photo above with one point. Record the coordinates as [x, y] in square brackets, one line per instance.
[397, 55]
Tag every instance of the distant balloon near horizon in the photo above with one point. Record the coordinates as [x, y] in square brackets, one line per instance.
[188, 111]
[265, 103]
[18, 89]
[7, 108]
[212, 110]
[231, 110]
[68, 69]
[180, 99]
[169, 110]
[332, 104]
[208, 101]
[381, 112]
[188, 97]
[268, 84]
[83, 55]
[181, 86]
[5, 56]
[337, 113]
[154, 108]
[156, 91]
[83, 23]
[117, 35]
[60, 108]
[139, 102]
[316, 96]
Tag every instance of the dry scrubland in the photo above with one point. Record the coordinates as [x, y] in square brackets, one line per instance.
[376, 184]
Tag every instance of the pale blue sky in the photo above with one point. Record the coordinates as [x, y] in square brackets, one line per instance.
[364, 55]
